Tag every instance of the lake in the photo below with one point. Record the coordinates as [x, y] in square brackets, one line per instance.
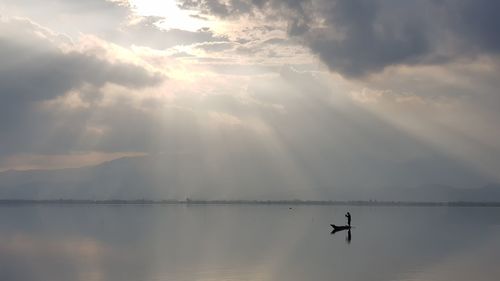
[247, 242]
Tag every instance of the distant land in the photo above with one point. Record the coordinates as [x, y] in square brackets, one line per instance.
[180, 176]
[246, 202]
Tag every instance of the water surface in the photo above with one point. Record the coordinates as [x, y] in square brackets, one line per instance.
[247, 242]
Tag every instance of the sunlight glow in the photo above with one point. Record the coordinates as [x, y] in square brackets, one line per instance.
[174, 16]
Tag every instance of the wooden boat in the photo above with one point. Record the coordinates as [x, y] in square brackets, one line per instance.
[340, 227]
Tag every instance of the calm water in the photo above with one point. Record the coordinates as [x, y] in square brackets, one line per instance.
[178, 242]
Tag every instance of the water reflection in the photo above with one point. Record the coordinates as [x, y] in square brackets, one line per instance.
[246, 243]
[348, 236]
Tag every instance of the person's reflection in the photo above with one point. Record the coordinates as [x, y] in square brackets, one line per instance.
[348, 236]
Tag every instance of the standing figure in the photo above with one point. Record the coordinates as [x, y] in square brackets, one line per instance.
[348, 216]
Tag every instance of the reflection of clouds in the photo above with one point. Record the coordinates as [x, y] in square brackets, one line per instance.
[199, 242]
[479, 263]
[32, 246]
[27, 257]
[227, 242]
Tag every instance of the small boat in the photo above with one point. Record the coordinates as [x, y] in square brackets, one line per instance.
[340, 227]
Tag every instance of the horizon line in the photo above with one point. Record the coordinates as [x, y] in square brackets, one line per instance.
[248, 202]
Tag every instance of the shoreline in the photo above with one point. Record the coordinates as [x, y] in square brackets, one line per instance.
[370, 203]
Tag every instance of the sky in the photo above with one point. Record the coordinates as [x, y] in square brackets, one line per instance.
[354, 88]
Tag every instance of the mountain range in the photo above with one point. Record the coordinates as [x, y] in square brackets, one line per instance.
[181, 176]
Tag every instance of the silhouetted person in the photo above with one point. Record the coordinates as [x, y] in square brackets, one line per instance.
[348, 216]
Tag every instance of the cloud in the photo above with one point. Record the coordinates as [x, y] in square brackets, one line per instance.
[64, 94]
[35, 68]
[72, 17]
[215, 46]
[146, 32]
[360, 37]
[115, 21]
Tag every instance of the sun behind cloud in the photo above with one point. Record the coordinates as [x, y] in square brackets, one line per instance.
[174, 17]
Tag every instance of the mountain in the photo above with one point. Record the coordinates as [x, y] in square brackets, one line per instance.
[438, 193]
[177, 176]
[250, 175]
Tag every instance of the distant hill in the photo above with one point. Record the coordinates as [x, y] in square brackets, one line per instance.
[152, 177]
[438, 193]
[253, 176]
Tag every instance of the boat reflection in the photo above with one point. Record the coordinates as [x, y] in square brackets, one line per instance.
[336, 229]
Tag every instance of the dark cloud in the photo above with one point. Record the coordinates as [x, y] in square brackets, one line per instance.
[478, 21]
[297, 27]
[368, 41]
[359, 37]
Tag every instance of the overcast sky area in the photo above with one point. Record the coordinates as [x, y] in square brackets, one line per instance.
[329, 92]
